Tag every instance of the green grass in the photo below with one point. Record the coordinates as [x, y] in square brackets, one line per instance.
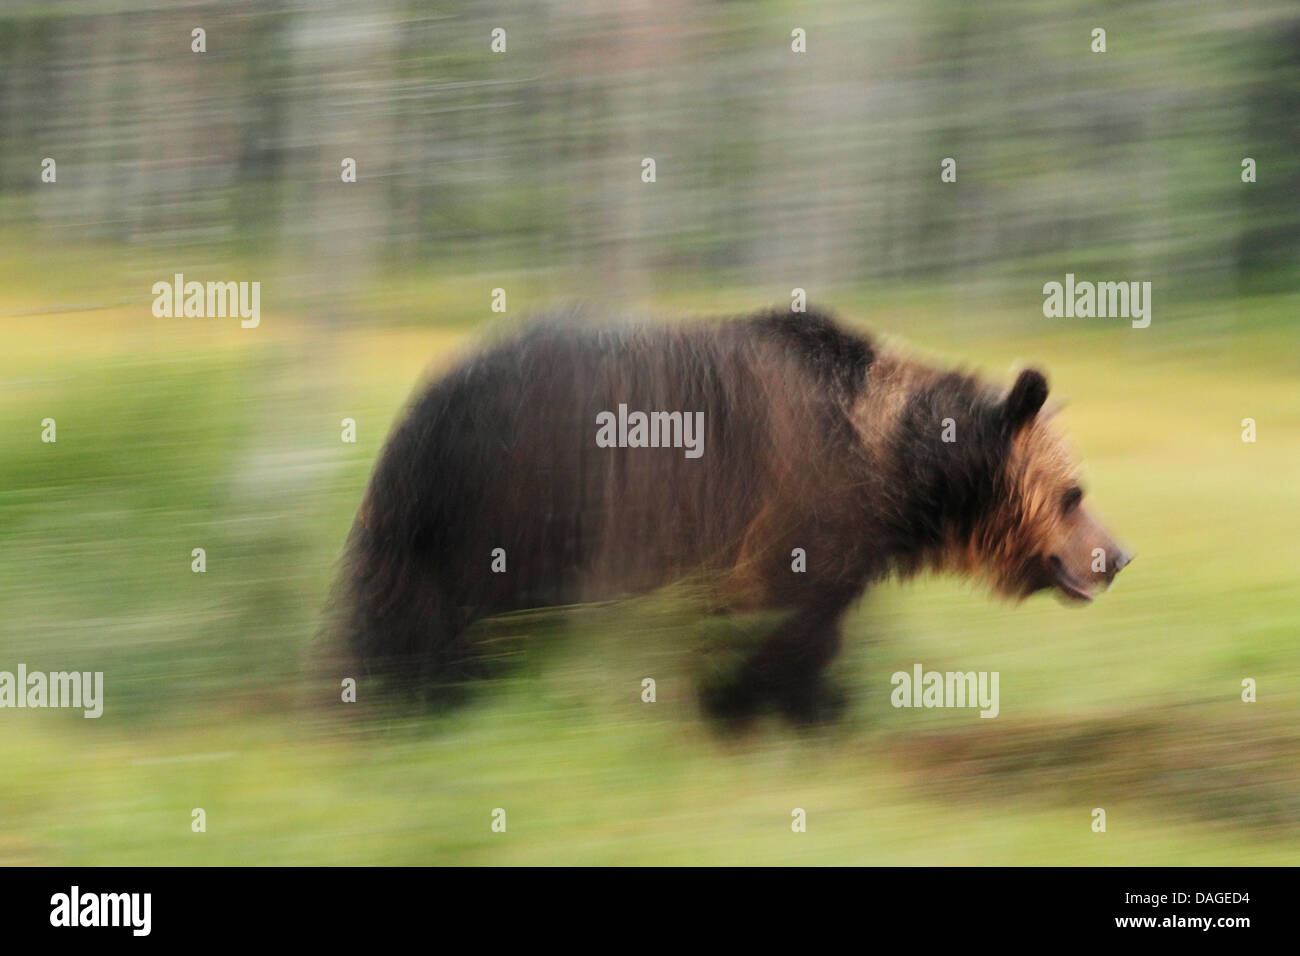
[182, 435]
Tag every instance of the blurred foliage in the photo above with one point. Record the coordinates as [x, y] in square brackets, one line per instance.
[219, 694]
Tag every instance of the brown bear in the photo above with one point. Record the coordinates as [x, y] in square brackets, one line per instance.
[782, 456]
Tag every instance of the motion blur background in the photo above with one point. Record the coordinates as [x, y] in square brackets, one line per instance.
[522, 171]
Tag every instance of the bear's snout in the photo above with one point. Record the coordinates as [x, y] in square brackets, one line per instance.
[1118, 560]
[1078, 577]
[1115, 558]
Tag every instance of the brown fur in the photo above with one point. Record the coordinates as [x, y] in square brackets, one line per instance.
[815, 439]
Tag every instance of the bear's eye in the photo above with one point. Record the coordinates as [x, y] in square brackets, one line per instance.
[1071, 500]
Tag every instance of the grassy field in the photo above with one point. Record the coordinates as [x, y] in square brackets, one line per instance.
[177, 434]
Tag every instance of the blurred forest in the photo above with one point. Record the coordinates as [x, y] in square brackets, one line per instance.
[805, 169]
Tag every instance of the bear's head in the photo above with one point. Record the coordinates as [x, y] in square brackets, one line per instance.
[1040, 532]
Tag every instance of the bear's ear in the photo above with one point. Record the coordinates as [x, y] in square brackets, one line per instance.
[1025, 399]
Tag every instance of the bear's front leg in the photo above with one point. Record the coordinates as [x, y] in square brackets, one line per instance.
[787, 671]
